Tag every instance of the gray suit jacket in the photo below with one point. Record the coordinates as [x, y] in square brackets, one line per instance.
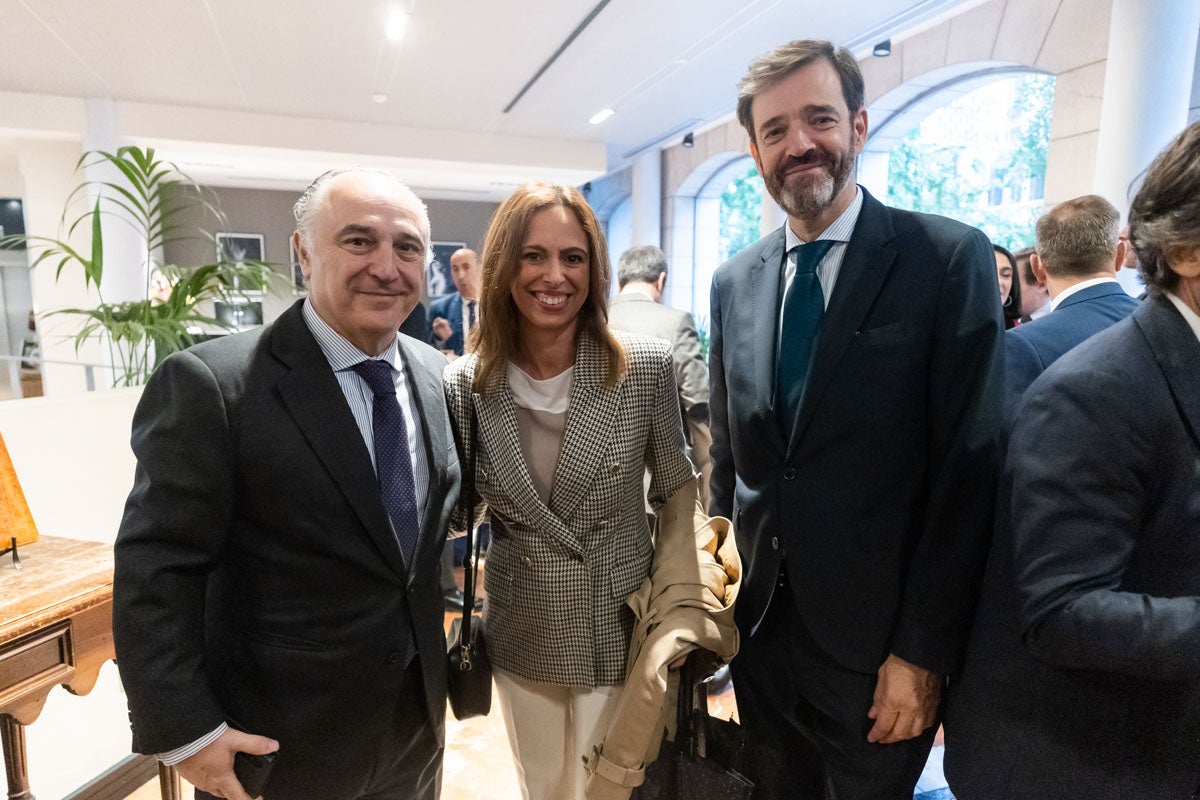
[638, 313]
[257, 577]
[558, 573]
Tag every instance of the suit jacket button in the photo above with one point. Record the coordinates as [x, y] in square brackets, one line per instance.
[527, 561]
[774, 542]
[393, 657]
[789, 474]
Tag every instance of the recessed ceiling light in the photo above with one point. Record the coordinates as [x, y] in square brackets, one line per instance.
[396, 23]
[601, 116]
[379, 97]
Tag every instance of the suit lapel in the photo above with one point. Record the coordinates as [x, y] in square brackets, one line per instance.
[427, 395]
[765, 280]
[869, 257]
[315, 400]
[591, 418]
[1177, 352]
[498, 435]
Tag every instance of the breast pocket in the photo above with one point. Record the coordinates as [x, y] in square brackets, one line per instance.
[889, 335]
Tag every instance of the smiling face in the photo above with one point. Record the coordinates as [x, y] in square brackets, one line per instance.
[363, 257]
[551, 284]
[806, 142]
[1004, 272]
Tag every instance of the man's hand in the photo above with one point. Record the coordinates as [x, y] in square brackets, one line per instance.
[441, 328]
[905, 703]
[212, 768]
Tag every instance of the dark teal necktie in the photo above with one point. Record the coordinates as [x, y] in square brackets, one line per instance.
[397, 487]
[803, 308]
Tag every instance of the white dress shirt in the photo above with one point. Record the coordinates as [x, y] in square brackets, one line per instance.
[1056, 301]
[827, 271]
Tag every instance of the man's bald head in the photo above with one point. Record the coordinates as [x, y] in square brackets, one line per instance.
[464, 268]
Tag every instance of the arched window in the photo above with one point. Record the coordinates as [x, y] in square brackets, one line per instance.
[741, 212]
[980, 158]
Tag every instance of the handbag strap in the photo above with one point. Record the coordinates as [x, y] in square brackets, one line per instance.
[471, 574]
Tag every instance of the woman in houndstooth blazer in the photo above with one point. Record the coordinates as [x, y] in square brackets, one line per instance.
[570, 417]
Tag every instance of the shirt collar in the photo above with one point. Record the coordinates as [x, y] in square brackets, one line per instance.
[632, 292]
[1189, 316]
[1079, 287]
[338, 350]
[838, 231]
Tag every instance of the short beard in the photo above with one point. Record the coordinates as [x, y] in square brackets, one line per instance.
[808, 200]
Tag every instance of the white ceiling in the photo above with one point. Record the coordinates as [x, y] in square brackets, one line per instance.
[262, 91]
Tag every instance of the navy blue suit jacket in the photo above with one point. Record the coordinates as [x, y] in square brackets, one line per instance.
[1032, 347]
[449, 307]
[882, 496]
[1084, 663]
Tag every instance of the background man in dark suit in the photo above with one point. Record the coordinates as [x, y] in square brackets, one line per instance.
[642, 275]
[453, 315]
[1083, 676]
[1078, 255]
[1035, 299]
[276, 567]
[855, 397]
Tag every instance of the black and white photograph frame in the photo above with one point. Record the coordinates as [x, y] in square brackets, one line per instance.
[438, 278]
[239, 314]
[240, 248]
[298, 287]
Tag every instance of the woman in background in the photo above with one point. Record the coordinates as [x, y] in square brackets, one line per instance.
[1010, 286]
[569, 417]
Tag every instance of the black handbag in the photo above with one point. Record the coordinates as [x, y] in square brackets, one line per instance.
[469, 673]
[703, 761]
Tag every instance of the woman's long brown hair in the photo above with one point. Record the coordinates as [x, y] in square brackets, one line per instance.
[496, 340]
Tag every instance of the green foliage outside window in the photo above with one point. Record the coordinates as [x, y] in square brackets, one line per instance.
[741, 213]
[993, 184]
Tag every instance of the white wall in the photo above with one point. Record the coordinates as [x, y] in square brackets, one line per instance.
[75, 465]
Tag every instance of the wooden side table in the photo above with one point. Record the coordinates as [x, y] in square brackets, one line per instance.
[55, 628]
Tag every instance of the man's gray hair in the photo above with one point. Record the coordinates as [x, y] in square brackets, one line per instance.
[1078, 237]
[642, 264]
[311, 200]
[770, 68]
[1164, 217]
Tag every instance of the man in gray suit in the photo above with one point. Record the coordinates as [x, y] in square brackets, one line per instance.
[642, 274]
[276, 580]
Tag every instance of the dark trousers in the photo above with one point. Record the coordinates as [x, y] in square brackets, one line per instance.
[407, 760]
[794, 698]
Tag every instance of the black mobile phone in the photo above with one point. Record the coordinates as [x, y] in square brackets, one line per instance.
[253, 771]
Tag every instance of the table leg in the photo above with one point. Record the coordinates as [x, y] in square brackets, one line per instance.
[168, 783]
[16, 764]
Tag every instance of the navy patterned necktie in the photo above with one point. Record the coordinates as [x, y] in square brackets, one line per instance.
[470, 317]
[803, 308]
[392, 465]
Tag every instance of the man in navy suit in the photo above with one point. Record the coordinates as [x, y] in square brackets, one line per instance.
[1078, 255]
[453, 316]
[856, 368]
[1083, 675]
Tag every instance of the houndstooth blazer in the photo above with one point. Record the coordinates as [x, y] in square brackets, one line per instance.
[558, 574]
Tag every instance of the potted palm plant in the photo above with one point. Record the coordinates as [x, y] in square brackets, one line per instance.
[151, 195]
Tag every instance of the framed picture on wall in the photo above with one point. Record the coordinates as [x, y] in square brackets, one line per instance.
[239, 315]
[239, 248]
[438, 280]
[298, 288]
